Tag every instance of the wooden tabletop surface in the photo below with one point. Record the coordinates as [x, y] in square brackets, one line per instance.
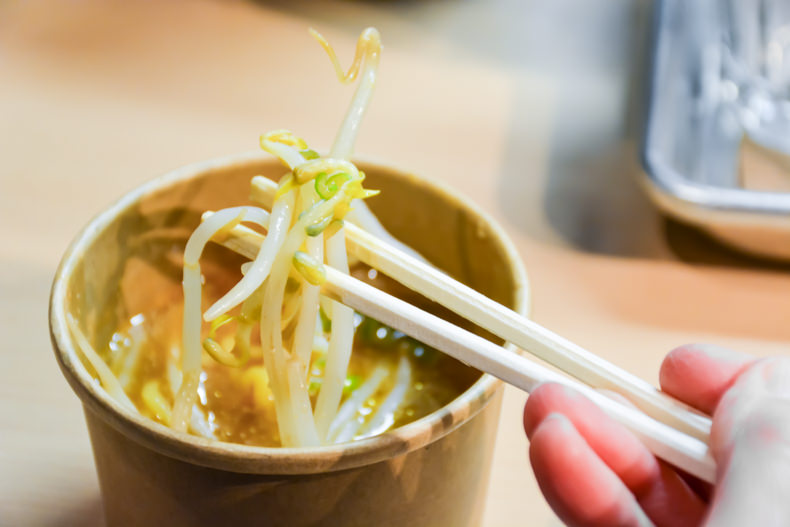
[531, 108]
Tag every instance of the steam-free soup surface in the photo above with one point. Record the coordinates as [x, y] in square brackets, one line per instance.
[237, 403]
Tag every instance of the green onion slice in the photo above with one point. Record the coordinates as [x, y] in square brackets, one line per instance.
[327, 186]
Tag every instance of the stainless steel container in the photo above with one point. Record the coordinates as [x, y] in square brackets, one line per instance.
[695, 131]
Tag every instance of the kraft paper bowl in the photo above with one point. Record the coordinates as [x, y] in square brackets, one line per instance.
[433, 471]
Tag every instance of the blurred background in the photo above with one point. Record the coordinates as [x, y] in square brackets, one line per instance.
[534, 108]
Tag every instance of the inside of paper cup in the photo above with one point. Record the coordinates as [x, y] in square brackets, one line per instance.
[132, 264]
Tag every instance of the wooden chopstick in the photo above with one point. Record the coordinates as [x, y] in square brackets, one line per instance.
[510, 326]
[664, 441]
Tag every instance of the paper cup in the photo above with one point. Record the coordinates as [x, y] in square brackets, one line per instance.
[433, 471]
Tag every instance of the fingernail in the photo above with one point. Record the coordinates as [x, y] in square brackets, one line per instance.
[560, 420]
[777, 377]
[719, 353]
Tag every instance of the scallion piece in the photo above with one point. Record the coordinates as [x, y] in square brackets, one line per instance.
[309, 154]
[351, 383]
[327, 185]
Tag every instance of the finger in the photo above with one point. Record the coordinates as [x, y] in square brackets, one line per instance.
[764, 384]
[751, 443]
[701, 488]
[662, 493]
[699, 374]
[620, 450]
[580, 488]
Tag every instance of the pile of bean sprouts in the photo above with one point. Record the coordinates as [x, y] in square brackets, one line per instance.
[279, 295]
[304, 231]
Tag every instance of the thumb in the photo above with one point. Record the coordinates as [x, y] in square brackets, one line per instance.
[751, 443]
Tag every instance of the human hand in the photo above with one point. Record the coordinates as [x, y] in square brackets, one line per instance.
[592, 471]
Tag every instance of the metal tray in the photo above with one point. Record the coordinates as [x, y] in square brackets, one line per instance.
[693, 140]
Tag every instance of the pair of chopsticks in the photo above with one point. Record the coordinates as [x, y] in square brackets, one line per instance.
[671, 429]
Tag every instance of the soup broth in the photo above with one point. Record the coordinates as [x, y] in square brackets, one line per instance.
[236, 403]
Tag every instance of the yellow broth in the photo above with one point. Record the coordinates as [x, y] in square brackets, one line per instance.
[236, 402]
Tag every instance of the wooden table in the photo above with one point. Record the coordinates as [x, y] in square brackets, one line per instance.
[529, 107]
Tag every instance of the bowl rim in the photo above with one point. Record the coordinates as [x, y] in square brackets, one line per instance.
[255, 459]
